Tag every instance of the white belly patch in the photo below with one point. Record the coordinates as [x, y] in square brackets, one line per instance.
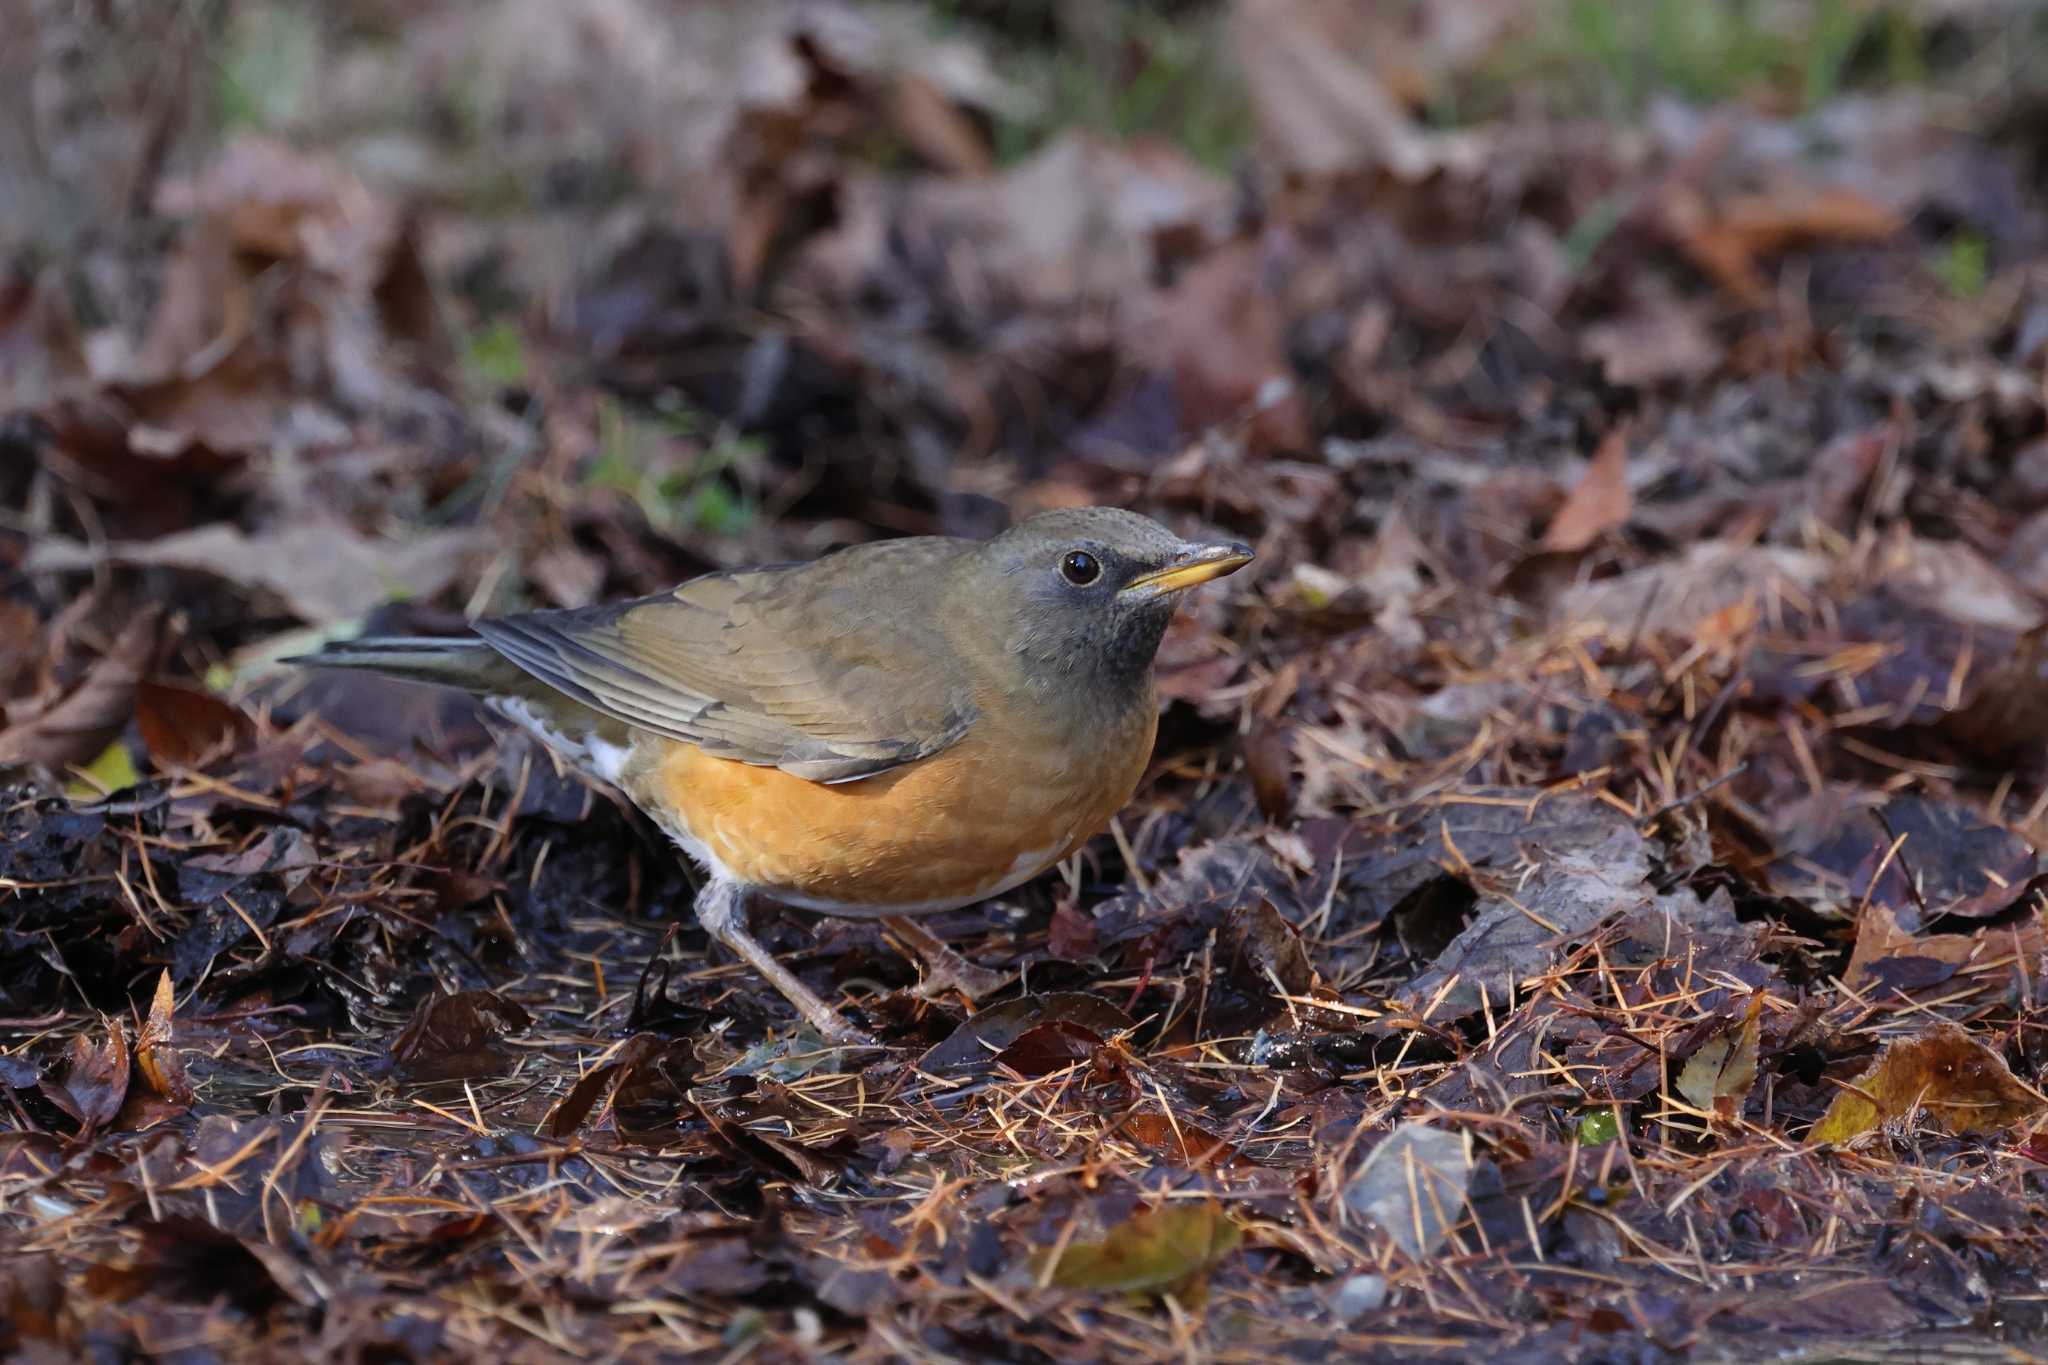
[592, 753]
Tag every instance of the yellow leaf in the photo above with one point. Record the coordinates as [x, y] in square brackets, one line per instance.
[1154, 1249]
[1718, 1077]
[1955, 1080]
[112, 771]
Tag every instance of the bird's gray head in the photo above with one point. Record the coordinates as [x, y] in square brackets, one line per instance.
[1086, 593]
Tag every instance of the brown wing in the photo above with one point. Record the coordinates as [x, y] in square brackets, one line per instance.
[833, 670]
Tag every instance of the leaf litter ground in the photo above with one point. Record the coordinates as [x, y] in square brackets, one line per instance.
[1586, 903]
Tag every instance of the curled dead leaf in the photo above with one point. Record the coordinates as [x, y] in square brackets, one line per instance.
[96, 1080]
[161, 1067]
[77, 727]
[645, 1075]
[1181, 1141]
[1052, 1046]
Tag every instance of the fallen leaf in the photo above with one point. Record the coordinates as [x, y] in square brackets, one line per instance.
[79, 725]
[1599, 503]
[937, 128]
[1959, 1083]
[1719, 1076]
[191, 1260]
[96, 1081]
[1181, 1141]
[1730, 240]
[1269, 761]
[113, 771]
[41, 354]
[1155, 1249]
[181, 725]
[327, 574]
[1266, 952]
[453, 1037]
[1671, 599]
[1836, 854]
[2010, 705]
[1049, 1047]
[1659, 343]
[1220, 334]
[643, 1084]
[1481, 828]
[1320, 110]
[1525, 925]
[1081, 218]
[1891, 961]
[1071, 936]
[984, 1036]
[1413, 1184]
[161, 1067]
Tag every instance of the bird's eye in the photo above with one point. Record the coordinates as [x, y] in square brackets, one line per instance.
[1080, 568]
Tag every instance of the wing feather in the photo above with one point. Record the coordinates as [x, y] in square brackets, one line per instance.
[784, 667]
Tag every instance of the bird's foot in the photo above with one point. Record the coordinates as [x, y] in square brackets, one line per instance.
[721, 910]
[944, 969]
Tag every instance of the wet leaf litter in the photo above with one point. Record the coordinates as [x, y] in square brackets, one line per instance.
[1586, 897]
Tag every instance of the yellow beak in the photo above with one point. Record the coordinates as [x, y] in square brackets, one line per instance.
[1193, 565]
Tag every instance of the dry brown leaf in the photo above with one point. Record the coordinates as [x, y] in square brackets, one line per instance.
[1221, 336]
[1599, 503]
[1664, 341]
[76, 727]
[936, 127]
[1081, 218]
[1674, 597]
[981, 1038]
[161, 1067]
[96, 1081]
[182, 725]
[1320, 110]
[455, 1036]
[1889, 958]
[1962, 1085]
[326, 574]
[40, 352]
[1182, 1140]
[1730, 240]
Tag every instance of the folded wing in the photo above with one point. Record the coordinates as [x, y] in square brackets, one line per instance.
[832, 671]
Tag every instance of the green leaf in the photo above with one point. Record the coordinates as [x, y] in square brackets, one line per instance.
[1598, 1126]
[1964, 263]
[496, 355]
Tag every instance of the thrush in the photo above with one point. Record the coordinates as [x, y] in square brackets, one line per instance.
[890, 730]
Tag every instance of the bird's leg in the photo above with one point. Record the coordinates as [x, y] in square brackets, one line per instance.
[944, 969]
[722, 910]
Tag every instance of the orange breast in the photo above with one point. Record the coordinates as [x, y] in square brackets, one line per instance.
[972, 821]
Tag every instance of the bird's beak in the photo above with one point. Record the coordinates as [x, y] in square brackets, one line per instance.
[1191, 565]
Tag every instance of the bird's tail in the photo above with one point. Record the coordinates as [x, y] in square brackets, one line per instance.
[460, 662]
